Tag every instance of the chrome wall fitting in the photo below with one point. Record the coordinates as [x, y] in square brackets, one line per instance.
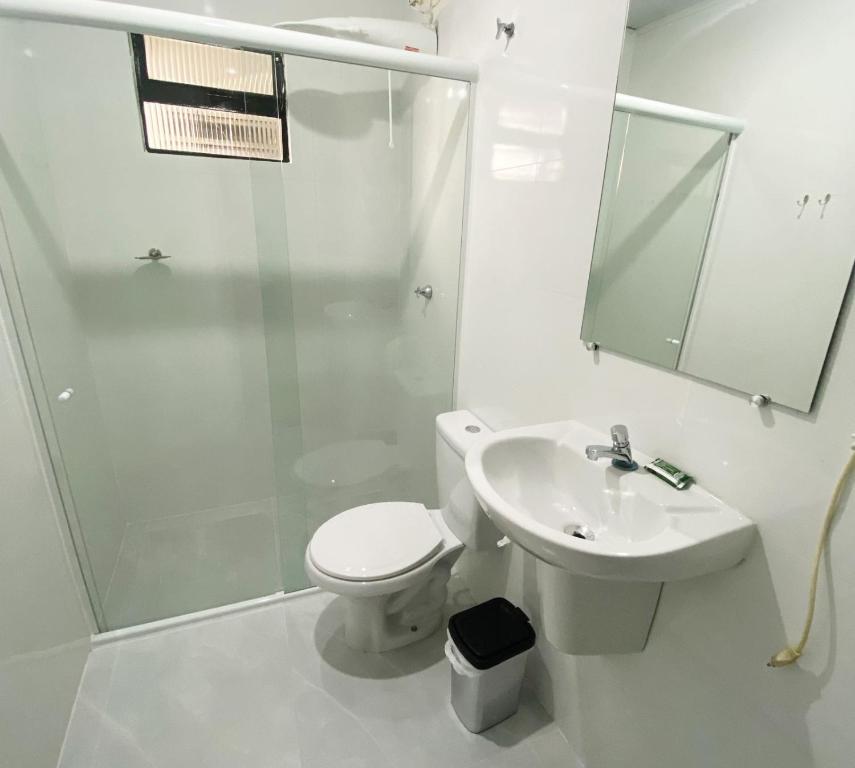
[154, 254]
[508, 29]
[425, 291]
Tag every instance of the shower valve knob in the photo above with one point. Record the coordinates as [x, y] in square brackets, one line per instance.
[426, 291]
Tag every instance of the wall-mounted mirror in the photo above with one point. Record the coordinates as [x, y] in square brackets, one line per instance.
[726, 235]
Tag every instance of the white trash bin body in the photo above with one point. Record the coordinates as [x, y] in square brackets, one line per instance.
[488, 693]
[483, 697]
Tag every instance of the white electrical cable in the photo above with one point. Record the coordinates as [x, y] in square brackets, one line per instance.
[389, 85]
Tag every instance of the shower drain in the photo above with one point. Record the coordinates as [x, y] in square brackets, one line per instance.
[580, 532]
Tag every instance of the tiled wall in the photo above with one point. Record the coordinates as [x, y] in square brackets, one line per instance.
[700, 694]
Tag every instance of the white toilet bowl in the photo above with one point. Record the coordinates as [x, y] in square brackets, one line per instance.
[391, 561]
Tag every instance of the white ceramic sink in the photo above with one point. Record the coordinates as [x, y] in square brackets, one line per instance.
[536, 484]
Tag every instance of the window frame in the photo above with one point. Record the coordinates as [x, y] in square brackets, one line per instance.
[207, 97]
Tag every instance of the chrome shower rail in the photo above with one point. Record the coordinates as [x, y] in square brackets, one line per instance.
[205, 29]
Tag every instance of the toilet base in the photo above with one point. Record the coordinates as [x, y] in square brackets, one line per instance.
[386, 622]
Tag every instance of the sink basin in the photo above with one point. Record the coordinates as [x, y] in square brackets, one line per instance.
[592, 520]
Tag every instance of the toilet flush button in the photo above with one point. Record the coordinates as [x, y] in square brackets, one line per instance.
[472, 428]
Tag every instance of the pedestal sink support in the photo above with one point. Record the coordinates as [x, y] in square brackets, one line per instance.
[586, 616]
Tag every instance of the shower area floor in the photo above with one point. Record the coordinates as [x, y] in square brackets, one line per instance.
[175, 565]
[277, 686]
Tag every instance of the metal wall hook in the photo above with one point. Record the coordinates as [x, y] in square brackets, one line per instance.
[154, 254]
[802, 204]
[425, 291]
[508, 29]
[822, 202]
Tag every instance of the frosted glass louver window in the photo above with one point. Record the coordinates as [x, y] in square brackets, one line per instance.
[178, 61]
[173, 128]
[200, 99]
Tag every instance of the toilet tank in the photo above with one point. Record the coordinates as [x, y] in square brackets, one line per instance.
[456, 432]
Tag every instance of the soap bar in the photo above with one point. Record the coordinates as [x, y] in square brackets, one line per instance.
[670, 474]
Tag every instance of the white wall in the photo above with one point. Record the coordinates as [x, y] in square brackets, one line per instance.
[700, 694]
[44, 628]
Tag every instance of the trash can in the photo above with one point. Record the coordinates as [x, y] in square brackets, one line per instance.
[487, 647]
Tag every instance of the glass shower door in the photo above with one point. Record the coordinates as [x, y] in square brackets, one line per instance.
[154, 373]
[206, 412]
[372, 201]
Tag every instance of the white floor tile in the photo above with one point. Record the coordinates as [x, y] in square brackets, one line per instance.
[175, 565]
[277, 686]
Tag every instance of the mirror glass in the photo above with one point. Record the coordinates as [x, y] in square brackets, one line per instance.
[724, 245]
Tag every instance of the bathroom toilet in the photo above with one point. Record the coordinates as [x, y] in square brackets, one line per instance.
[391, 561]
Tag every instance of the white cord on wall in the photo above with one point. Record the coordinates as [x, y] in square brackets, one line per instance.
[391, 126]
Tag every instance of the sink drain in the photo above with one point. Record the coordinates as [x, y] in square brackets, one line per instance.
[580, 532]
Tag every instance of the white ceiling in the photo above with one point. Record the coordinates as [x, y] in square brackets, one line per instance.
[643, 12]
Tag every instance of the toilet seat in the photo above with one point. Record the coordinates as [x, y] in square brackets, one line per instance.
[375, 541]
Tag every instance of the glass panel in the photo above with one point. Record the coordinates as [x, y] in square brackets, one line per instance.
[374, 209]
[661, 184]
[166, 439]
[277, 367]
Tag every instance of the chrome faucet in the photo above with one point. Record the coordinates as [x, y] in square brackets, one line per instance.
[620, 451]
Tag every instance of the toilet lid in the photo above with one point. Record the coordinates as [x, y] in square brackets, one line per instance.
[375, 541]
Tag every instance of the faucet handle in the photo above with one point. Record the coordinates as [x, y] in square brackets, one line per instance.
[620, 436]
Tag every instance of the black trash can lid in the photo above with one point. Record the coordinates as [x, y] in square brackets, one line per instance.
[490, 633]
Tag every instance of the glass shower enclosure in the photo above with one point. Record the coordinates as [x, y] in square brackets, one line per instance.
[204, 413]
